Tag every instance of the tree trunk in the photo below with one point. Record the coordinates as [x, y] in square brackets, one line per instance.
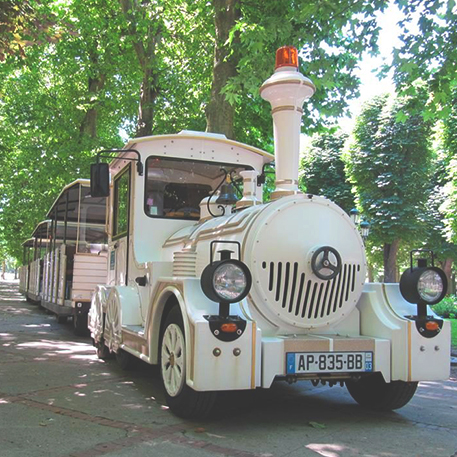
[89, 123]
[145, 51]
[447, 268]
[390, 261]
[370, 273]
[219, 112]
[148, 96]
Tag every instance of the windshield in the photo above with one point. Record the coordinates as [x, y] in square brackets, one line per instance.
[175, 187]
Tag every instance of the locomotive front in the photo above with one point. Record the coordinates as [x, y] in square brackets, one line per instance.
[308, 263]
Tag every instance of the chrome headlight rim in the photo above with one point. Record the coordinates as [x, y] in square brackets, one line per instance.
[207, 281]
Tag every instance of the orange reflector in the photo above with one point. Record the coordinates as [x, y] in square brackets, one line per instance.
[432, 325]
[287, 56]
[229, 328]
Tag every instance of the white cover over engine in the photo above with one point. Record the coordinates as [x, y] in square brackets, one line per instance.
[278, 240]
[278, 250]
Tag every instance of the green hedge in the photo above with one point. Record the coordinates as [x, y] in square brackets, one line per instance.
[447, 307]
[454, 333]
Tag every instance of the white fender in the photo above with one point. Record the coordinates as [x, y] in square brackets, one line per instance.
[155, 320]
[97, 308]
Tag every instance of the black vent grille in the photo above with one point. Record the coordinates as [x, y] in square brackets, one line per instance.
[302, 296]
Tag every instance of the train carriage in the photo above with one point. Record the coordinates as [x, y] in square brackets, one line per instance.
[24, 270]
[228, 295]
[31, 272]
[70, 255]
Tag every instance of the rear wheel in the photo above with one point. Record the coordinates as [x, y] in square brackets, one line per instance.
[125, 360]
[61, 319]
[182, 400]
[374, 393]
[80, 324]
[102, 350]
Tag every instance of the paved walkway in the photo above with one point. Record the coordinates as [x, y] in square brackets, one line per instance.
[58, 400]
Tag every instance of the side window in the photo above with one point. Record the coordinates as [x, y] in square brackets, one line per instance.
[121, 203]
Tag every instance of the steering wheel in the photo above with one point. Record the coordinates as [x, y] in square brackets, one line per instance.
[326, 263]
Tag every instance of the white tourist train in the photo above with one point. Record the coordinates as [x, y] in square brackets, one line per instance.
[67, 255]
[227, 296]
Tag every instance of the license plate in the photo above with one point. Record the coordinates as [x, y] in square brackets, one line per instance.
[328, 362]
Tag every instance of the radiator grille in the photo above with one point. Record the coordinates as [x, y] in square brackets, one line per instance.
[184, 264]
[302, 296]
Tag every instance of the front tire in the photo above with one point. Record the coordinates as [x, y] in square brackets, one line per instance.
[182, 400]
[373, 392]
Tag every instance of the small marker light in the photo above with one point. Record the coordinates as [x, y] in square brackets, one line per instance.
[229, 327]
[432, 326]
[287, 56]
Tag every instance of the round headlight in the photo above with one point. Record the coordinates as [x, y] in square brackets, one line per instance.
[229, 281]
[226, 281]
[423, 284]
[430, 286]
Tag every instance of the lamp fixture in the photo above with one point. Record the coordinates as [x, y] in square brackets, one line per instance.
[355, 215]
[364, 229]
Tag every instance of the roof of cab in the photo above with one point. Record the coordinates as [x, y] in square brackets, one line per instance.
[190, 134]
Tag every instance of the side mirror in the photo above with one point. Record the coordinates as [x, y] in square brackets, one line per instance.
[99, 180]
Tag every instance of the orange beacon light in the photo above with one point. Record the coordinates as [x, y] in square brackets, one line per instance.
[287, 56]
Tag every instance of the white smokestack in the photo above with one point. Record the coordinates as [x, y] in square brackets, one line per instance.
[249, 189]
[286, 90]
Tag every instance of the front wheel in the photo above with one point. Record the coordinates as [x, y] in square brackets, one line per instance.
[374, 393]
[182, 400]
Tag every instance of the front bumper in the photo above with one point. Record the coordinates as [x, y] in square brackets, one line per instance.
[275, 350]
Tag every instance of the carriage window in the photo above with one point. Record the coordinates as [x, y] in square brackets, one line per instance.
[175, 187]
[121, 203]
[92, 236]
